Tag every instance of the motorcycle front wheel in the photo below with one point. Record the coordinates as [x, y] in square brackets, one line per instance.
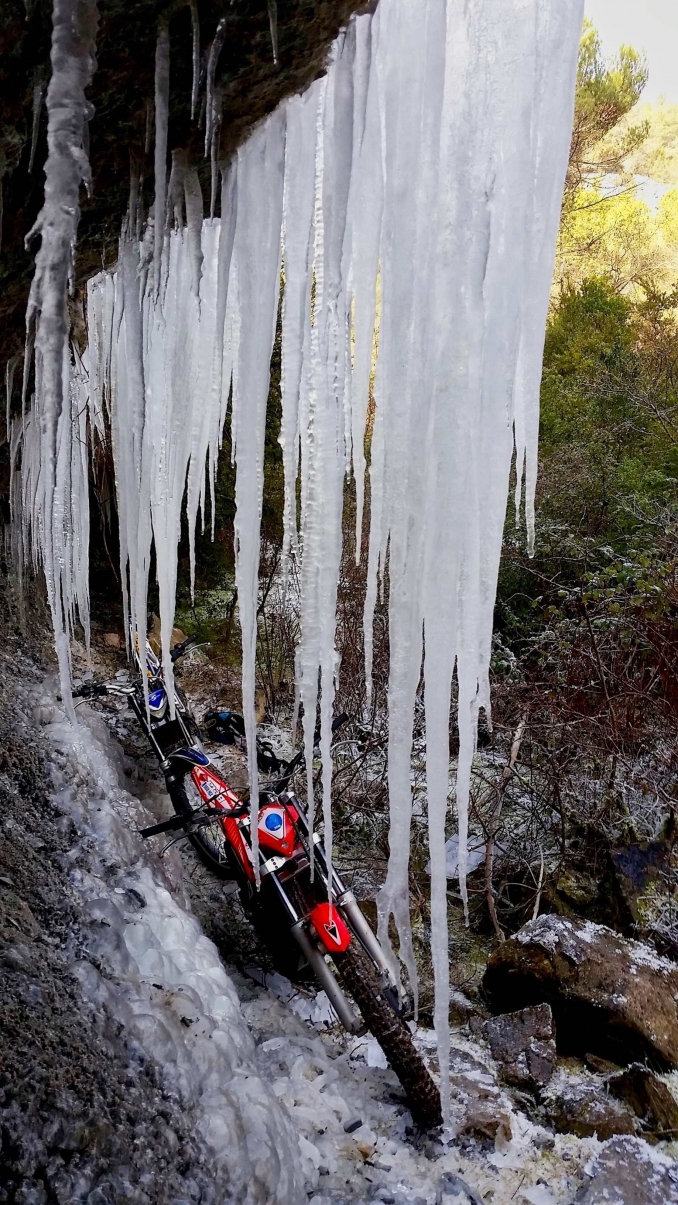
[388, 1027]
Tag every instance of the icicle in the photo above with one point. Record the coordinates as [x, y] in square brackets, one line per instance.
[273, 26]
[162, 69]
[195, 27]
[214, 151]
[193, 197]
[428, 161]
[257, 258]
[10, 369]
[72, 57]
[175, 190]
[38, 96]
[365, 214]
[300, 169]
[213, 59]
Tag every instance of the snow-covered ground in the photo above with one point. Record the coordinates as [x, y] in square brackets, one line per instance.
[274, 1092]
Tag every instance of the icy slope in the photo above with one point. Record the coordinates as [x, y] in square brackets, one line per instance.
[163, 979]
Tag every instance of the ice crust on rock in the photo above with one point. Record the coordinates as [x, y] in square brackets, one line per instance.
[423, 171]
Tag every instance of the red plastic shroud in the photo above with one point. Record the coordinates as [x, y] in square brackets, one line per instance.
[218, 795]
[330, 927]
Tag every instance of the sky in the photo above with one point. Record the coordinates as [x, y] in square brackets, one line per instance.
[648, 25]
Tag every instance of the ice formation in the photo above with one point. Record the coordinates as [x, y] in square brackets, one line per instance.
[55, 494]
[417, 183]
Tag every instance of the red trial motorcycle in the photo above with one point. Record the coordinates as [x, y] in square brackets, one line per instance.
[311, 925]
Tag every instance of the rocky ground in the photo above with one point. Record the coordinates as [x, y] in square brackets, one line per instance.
[134, 1068]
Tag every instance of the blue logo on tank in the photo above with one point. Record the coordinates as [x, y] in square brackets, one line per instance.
[273, 822]
[155, 698]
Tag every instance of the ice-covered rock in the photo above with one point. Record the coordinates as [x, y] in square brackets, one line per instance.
[577, 1104]
[649, 1097]
[523, 1043]
[628, 1172]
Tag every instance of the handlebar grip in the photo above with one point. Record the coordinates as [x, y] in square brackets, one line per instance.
[89, 689]
[166, 826]
[179, 649]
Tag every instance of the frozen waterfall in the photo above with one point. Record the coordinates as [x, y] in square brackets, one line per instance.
[416, 186]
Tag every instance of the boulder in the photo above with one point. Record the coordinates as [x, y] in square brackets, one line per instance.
[628, 1172]
[523, 1044]
[650, 1098]
[610, 996]
[578, 1105]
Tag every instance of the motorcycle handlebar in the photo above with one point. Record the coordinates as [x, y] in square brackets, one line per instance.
[90, 690]
[179, 649]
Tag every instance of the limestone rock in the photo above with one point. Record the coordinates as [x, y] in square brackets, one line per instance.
[610, 996]
[155, 636]
[523, 1043]
[628, 1172]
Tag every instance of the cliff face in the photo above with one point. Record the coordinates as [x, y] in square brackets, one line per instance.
[121, 128]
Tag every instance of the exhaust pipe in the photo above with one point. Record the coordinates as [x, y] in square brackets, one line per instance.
[349, 906]
[326, 979]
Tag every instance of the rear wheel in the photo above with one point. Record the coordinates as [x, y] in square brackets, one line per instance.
[360, 979]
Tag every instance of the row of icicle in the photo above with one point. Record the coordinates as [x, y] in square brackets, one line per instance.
[429, 160]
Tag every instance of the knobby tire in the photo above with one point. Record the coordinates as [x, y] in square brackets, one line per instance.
[360, 979]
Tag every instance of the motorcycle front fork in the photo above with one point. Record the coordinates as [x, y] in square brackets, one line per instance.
[346, 902]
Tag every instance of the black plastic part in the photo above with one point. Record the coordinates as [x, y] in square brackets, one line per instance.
[89, 689]
[166, 826]
[179, 649]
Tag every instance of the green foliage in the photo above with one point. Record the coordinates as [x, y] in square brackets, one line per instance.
[657, 155]
[607, 89]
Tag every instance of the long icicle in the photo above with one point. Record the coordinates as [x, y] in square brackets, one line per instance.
[162, 70]
[257, 257]
[195, 30]
[74, 29]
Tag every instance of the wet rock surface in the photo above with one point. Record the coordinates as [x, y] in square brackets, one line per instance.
[609, 996]
[523, 1044]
